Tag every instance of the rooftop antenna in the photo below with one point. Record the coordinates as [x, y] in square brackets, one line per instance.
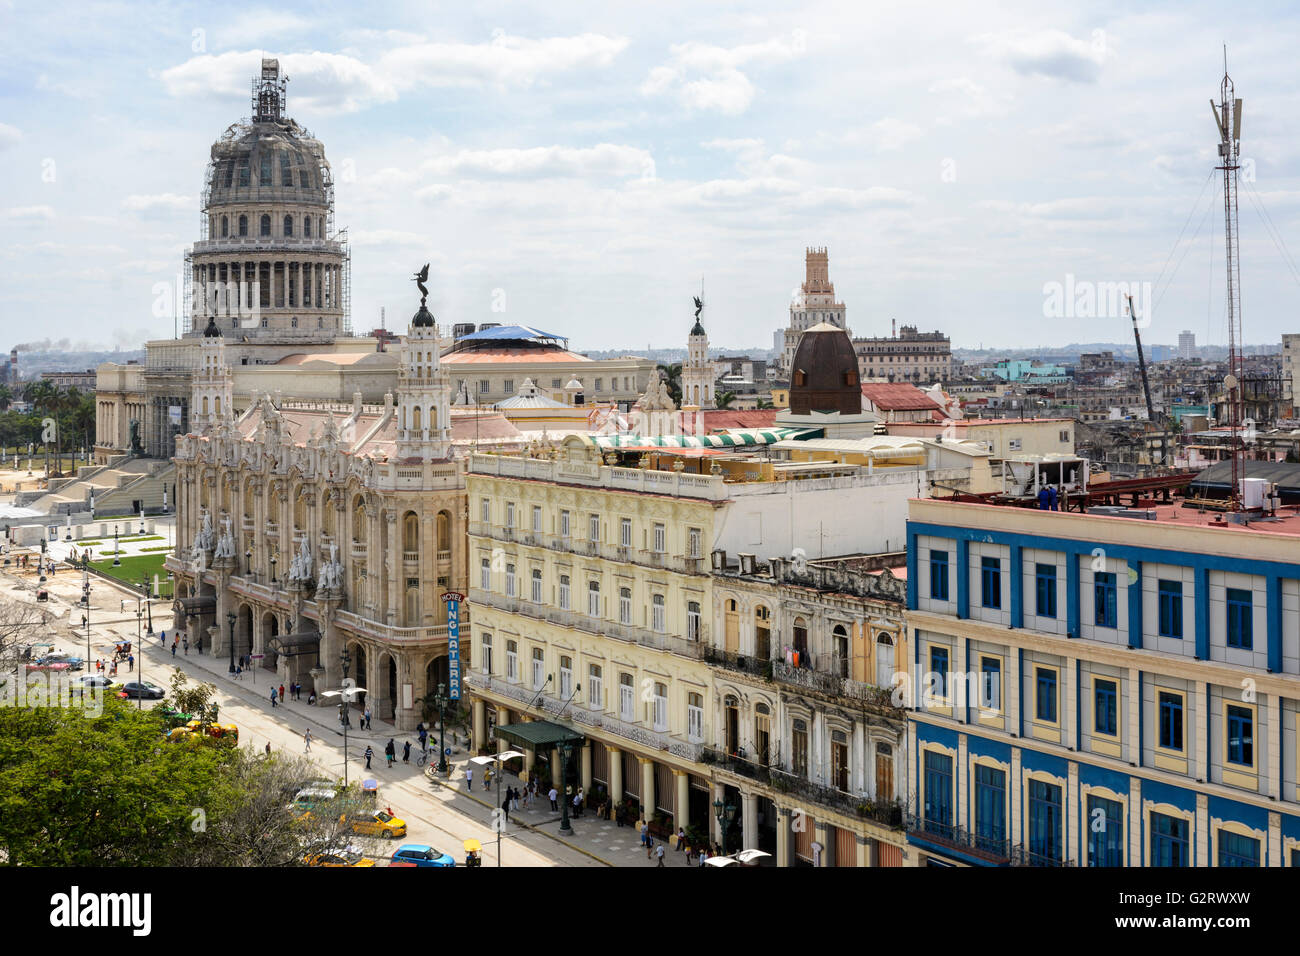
[1227, 117]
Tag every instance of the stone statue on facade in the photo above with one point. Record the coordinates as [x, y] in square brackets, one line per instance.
[331, 572]
[300, 567]
[203, 541]
[226, 543]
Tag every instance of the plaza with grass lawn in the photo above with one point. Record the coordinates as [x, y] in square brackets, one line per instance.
[136, 568]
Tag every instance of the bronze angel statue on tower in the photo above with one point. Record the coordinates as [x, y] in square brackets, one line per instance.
[421, 278]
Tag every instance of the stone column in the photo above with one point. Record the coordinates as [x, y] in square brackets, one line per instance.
[864, 851]
[647, 788]
[615, 774]
[783, 836]
[682, 817]
[479, 731]
[503, 718]
[748, 821]
[530, 760]
[394, 570]
[585, 767]
[821, 833]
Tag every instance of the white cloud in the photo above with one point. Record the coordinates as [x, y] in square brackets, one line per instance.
[707, 78]
[890, 133]
[138, 203]
[1050, 53]
[30, 213]
[971, 98]
[605, 159]
[506, 60]
[9, 135]
[319, 82]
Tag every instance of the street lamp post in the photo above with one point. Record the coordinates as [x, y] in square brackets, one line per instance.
[85, 599]
[248, 562]
[230, 619]
[725, 813]
[139, 697]
[566, 749]
[441, 698]
[117, 557]
[273, 581]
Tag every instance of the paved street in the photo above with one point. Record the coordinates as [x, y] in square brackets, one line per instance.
[441, 813]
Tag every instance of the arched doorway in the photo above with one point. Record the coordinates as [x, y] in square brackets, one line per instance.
[801, 642]
[731, 724]
[388, 707]
[762, 633]
[357, 670]
[884, 660]
[270, 629]
[244, 632]
[731, 622]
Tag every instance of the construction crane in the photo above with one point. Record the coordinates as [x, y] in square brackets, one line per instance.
[1146, 384]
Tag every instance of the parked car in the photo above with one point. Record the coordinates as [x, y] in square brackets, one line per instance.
[95, 680]
[420, 854]
[378, 823]
[49, 667]
[74, 662]
[142, 689]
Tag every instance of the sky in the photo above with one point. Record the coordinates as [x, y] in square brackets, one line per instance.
[586, 167]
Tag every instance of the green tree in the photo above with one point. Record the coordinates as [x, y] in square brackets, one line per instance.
[725, 399]
[673, 380]
[197, 700]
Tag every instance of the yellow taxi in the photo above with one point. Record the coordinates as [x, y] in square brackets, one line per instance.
[377, 823]
[347, 857]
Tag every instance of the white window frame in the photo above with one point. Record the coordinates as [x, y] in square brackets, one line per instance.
[625, 532]
[694, 719]
[692, 620]
[512, 660]
[593, 599]
[485, 645]
[510, 514]
[537, 518]
[625, 605]
[564, 592]
[660, 538]
[537, 586]
[627, 698]
[510, 580]
[694, 537]
[539, 669]
[658, 613]
[485, 574]
[659, 709]
[485, 510]
[566, 678]
[564, 524]
[593, 527]
[595, 687]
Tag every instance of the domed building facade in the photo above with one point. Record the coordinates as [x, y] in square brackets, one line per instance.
[825, 388]
[268, 261]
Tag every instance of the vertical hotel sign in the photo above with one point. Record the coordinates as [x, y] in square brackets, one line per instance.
[453, 599]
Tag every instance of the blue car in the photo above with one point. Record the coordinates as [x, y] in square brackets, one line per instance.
[420, 854]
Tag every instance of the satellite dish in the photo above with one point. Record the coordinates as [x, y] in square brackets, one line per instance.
[1230, 381]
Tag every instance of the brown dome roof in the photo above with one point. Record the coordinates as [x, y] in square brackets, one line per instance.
[824, 373]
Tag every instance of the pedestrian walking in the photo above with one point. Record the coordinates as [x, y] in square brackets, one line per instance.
[505, 806]
[162, 636]
[130, 662]
[239, 671]
[488, 774]
[469, 778]
[645, 833]
[553, 795]
[659, 855]
[577, 803]
[173, 648]
[406, 752]
[282, 692]
[367, 716]
[649, 845]
[306, 739]
[514, 800]
[268, 748]
[186, 645]
[424, 735]
[704, 855]
[681, 838]
[369, 753]
[274, 697]
[390, 752]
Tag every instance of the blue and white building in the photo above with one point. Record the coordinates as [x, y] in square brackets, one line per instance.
[1103, 691]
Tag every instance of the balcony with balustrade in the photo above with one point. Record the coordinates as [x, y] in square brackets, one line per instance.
[628, 633]
[584, 547]
[827, 674]
[985, 850]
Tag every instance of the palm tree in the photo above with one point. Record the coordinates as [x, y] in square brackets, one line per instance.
[6, 398]
[673, 380]
[725, 399]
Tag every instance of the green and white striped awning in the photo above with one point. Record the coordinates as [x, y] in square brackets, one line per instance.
[734, 438]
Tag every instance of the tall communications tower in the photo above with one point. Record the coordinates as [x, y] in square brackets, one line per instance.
[1227, 116]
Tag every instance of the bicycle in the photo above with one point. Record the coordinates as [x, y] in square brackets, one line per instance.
[423, 757]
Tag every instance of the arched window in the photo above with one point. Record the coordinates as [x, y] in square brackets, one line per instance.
[624, 605]
[266, 225]
[243, 225]
[444, 531]
[306, 227]
[762, 633]
[593, 598]
[840, 760]
[840, 640]
[731, 724]
[411, 532]
[801, 643]
[359, 519]
[293, 323]
[537, 586]
[762, 733]
[225, 226]
[799, 747]
[415, 418]
[288, 225]
[884, 660]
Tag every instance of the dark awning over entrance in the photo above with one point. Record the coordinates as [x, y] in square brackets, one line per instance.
[197, 605]
[537, 733]
[292, 645]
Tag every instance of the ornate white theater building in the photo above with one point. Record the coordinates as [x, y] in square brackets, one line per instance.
[311, 531]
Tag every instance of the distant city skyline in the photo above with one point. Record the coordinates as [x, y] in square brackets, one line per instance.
[586, 168]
